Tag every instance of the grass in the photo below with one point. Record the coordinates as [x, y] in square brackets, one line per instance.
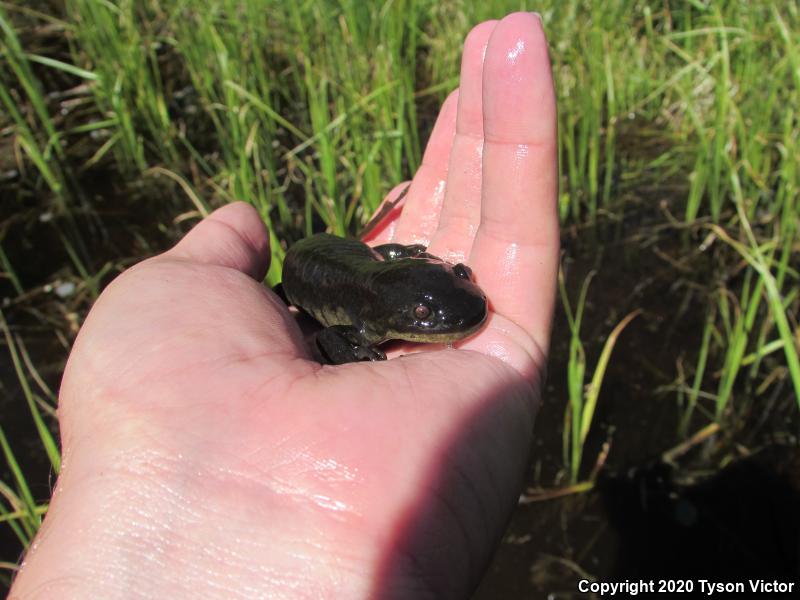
[312, 111]
[36, 132]
[18, 507]
[241, 67]
[583, 396]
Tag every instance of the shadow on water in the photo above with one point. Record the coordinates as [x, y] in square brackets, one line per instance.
[738, 525]
[742, 523]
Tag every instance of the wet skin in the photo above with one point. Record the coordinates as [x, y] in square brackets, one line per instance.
[364, 296]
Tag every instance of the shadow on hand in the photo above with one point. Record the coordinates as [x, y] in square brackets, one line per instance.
[444, 543]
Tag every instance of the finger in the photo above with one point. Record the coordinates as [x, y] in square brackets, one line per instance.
[233, 236]
[515, 254]
[420, 216]
[381, 227]
[461, 211]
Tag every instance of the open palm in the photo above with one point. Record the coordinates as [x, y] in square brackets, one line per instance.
[204, 448]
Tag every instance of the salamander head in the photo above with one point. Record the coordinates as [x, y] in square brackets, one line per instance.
[423, 300]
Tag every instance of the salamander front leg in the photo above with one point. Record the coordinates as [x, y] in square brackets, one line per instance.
[395, 251]
[344, 344]
[278, 289]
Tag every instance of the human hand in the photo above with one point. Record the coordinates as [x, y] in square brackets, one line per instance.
[204, 453]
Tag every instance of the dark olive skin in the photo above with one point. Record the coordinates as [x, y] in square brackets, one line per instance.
[364, 296]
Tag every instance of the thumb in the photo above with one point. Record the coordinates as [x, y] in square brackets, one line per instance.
[233, 236]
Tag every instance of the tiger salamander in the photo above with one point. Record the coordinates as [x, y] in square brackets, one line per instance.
[364, 296]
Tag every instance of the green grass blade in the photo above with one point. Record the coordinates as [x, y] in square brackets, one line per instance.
[25, 495]
[50, 446]
[593, 390]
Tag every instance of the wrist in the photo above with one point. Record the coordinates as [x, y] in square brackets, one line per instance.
[146, 527]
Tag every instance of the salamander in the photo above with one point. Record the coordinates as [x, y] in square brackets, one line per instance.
[363, 296]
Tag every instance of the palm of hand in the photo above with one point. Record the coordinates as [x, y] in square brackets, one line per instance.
[192, 376]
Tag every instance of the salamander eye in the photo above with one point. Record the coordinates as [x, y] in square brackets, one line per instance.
[422, 312]
[462, 271]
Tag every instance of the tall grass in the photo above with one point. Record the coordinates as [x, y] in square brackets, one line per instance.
[325, 91]
[35, 131]
[583, 395]
[119, 44]
[303, 109]
[19, 509]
